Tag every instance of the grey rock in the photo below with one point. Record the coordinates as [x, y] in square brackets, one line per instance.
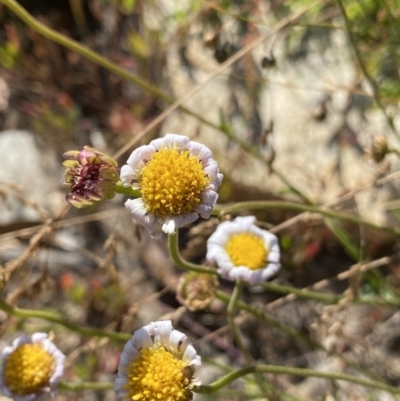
[29, 178]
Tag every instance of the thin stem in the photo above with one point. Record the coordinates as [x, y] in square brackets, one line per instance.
[230, 377]
[102, 386]
[237, 290]
[135, 193]
[221, 210]
[375, 88]
[91, 55]
[301, 293]
[56, 318]
[222, 296]
[183, 264]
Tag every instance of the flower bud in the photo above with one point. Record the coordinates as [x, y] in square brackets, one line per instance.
[196, 291]
[91, 175]
[379, 148]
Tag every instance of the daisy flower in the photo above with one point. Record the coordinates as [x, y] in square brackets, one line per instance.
[31, 367]
[243, 251]
[178, 180]
[157, 363]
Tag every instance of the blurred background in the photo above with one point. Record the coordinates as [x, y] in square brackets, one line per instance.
[309, 115]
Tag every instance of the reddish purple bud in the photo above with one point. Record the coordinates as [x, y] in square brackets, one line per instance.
[91, 175]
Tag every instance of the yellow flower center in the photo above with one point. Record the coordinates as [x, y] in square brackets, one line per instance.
[172, 182]
[157, 376]
[28, 369]
[247, 250]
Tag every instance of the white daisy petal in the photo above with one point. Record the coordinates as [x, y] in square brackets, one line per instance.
[51, 377]
[162, 346]
[163, 330]
[202, 152]
[142, 339]
[193, 185]
[208, 198]
[252, 245]
[169, 226]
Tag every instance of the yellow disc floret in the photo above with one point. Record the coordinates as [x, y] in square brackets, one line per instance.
[28, 369]
[248, 250]
[172, 182]
[157, 376]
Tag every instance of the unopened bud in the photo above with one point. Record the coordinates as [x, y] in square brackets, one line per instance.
[379, 148]
[196, 290]
[91, 176]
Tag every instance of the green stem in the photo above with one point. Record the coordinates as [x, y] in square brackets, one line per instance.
[237, 290]
[221, 210]
[85, 386]
[374, 86]
[301, 293]
[290, 331]
[230, 377]
[183, 264]
[91, 55]
[120, 189]
[222, 296]
[56, 318]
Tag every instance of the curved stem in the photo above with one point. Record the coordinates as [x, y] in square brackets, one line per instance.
[56, 318]
[290, 331]
[230, 377]
[357, 53]
[299, 207]
[176, 257]
[222, 296]
[91, 55]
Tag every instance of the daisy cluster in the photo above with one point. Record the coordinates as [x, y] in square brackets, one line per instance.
[178, 180]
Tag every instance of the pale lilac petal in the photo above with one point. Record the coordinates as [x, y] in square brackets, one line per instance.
[202, 152]
[141, 339]
[140, 156]
[208, 200]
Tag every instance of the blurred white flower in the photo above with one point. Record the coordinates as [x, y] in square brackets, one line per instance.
[157, 363]
[178, 179]
[31, 367]
[243, 251]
